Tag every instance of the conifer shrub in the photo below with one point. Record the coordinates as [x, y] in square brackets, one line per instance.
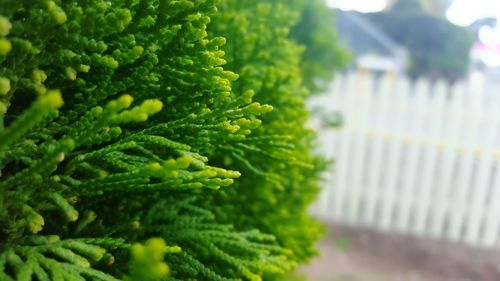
[323, 54]
[136, 144]
[279, 175]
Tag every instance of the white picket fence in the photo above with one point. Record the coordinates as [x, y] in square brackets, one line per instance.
[415, 158]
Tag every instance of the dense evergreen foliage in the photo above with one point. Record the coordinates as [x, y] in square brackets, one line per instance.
[315, 30]
[135, 144]
[282, 173]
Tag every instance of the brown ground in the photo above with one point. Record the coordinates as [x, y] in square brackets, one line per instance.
[354, 254]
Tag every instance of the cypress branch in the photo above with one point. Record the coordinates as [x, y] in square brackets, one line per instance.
[152, 140]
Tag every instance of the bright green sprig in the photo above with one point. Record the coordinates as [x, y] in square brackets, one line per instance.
[49, 258]
[42, 108]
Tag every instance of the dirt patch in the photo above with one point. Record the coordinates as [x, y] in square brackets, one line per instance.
[357, 254]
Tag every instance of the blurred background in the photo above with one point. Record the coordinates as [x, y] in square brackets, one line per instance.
[411, 122]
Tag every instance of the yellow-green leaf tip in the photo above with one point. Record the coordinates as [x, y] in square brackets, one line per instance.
[5, 46]
[57, 13]
[152, 106]
[5, 26]
[125, 101]
[53, 99]
[4, 86]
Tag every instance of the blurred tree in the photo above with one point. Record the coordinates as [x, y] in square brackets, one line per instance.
[437, 48]
[412, 6]
[316, 32]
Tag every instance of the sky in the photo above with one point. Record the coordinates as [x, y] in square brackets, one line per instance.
[462, 12]
[359, 5]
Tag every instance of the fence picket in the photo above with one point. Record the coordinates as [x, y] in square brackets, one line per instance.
[417, 158]
[492, 219]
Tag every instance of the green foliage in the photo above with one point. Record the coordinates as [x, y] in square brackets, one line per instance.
[407, 6]
[437, 48]
[283, 184]
[316, 32]
[127, 152]
[147, 261]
